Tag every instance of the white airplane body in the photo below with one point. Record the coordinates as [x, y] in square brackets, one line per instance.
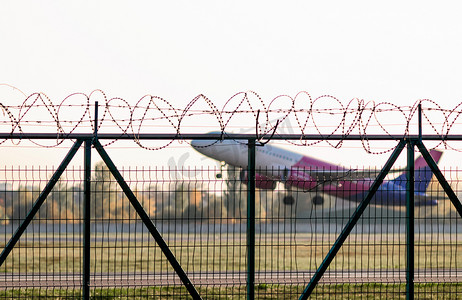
[274, 164]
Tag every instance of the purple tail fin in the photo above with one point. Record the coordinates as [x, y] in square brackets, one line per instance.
[422, 173]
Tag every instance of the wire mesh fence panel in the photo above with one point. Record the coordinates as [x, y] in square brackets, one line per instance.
[203, 217]
[47, 259]
[438, 243]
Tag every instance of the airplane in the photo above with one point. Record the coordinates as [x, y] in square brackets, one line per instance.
[296, 171]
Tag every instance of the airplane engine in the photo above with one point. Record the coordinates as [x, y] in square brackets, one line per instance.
[288, 200]
[261, 182]
[317, 200]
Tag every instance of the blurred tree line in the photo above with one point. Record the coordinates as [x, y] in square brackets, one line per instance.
[213, 201]
[163, 199]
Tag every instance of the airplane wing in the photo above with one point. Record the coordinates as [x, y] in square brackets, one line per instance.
[329, 175]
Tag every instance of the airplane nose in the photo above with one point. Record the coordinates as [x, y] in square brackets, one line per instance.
[197, 143]
[201, 144]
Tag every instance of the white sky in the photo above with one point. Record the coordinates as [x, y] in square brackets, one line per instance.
[395, 51]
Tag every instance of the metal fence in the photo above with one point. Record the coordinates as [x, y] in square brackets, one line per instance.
[104, 232]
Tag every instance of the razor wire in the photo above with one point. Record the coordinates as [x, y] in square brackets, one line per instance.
[324, 116]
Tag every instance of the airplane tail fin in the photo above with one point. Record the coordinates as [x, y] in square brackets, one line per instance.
[422, 173]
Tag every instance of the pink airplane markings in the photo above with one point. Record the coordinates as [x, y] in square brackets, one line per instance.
[295, 171]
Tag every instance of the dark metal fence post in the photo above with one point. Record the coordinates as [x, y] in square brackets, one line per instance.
[441, 179]
[251, 221]
[86, 221]
[410, 221]
[420, 121]
[351, 223]
[147, 220]
[38, 203]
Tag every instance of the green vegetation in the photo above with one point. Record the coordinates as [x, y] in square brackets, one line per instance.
[178, 197]
[262, 291]
[162, 199]
[209, 253]
[175, 201]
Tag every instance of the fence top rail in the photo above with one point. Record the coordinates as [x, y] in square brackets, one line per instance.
[226, 136]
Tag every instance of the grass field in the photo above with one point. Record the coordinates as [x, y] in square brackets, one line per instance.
[211, 253]
[343, 291]
[133, 253]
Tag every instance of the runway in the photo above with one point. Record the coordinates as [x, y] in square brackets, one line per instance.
[436, 233]
[191, 230]
[134, 280]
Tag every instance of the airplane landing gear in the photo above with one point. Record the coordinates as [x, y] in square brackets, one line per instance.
[317, 200]
[222, 167]
[288, 200]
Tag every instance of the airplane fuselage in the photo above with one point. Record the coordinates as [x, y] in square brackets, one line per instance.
[307, 173]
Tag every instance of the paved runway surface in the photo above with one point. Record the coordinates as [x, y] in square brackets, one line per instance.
[224, 278]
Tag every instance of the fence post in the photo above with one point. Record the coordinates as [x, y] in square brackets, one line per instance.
[86, 221]
[352, 222]
[441, 179]
[251, 221]
[410, 221]
[146, 220]
[38, 203]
